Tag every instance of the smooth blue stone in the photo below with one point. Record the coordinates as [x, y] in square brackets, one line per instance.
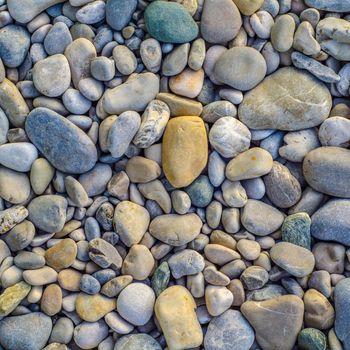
[89, 284]
[103, 276]
[119, 12]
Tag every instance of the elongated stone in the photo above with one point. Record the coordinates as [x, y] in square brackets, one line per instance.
[12, 296]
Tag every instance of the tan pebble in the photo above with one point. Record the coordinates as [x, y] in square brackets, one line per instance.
[62, 254]
[51, 301]
[219, 254]
[141, 170]
[188, 83]
[69, 279]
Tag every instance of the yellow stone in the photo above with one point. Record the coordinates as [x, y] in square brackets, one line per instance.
[91, 308]
[248, 7]
[175, 312]
[12, 296]
[62, 254]
[180, 105]
[184, 150]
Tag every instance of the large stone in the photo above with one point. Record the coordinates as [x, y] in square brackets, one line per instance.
[119, 12]
[175, 312]
[65, 145]
[214, 31]
[229, 331]
[327, 170]
[330, 5]
[277, 321]
[162, 22]
[176, 230]
[134, 94]
[27, 332]
[184, 150]
[12, 296]
[288, 99]
[62, 254]
[18, 156]
[332, 221]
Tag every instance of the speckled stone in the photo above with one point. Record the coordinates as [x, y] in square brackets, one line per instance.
[296, 230]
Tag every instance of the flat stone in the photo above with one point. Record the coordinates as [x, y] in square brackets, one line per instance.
[269, 318]
[12, 296]
[40, 277]
[88, 335]
[48, 212]
[65, 145]
[142, 170]
[241, 68]
[282, 33]
[214, 31]
[151, 54]
[180, 106]
[14, 45]
[161, 278]
[296, 260]
[119, 12]
[175, 312]
[288, 99]
[250, 164]
[327, 170]
[134, 94]
[92, 308]
[330, 5]
[104, 254]
[62, 254]
[184, 263]
[188, 83]
[51, 76]
[162, 22]
[95, 180]
[10, 217]
[57, 39]
[28, 260]
[184, 150]
[41, 174]
[229, 331]
[137, 341]
[331, 222]
[174, 229]
[114, 286]
[20, 236]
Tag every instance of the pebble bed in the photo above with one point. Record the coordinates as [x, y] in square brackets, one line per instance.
[174, 174]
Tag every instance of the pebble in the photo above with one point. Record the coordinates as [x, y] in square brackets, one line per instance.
[262, 110]
[304, 39]
[88, 335]
[137, 341]
[186, 262]
[41, 174]
[115, 285]
[132, 95]
[104, 254]
[124, 59]
[335, 131]
[135, 303]
[62, 254]
[174, 229]
[188, 83]
[332, 6]
[214, 31]
[310, 338]
[48, 212]
[4, 127]
[296, 260]
[250, 250]
[270, 317]
[329, 257]
[142, 170]
[248, 7]
[229, 137]
[51, 300]
[254, 218]
[229, 331]
[102, 68]
[200, 191]
[162, 18]
[14, 45]
[40, 277]
[175, 312]
[57, 39]
[95, 181]
[91, 13]
[262, 22]
[11, 297]
[181, 201]
[296, 230]
[176, 61]
[235, 75]
[282, 33]
[155, 191]
[192, 155]
[119, 12]
[151, 54]
[180, 106]
[16, 332]
[254, 277]
[79, 154]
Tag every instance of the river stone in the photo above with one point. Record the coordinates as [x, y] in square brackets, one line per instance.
[16, 332]
[4, 127]
[104, 254]
[20, 236]
[138, 341]
[327, 170]
[162, 22]
[296, 230]
[288, 99]
[24, 12]
[57, 39]
[14, 45]
[271, 318]
[88, 335]
[184, 150]
[175, 312]
[312, 339]
[296, 260]
[176, 230]
[186, 262]
[330, 5]
[248, 7]
[229, 331]
[14, 186]
[51, 76]
[119, 12]
[161, 278]
[65, 145]
[12, 296]
[342, 308]
[250, 164]
[214, 31]
[331, 222]
[134, 94]
[62, 254]
[241, 68]
[48, 212]
[153, 122]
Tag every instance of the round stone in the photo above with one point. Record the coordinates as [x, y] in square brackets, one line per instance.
[200, 191]
[119, 12]
[312, 339]
[62, 254]
[137, 341]
[88, 335]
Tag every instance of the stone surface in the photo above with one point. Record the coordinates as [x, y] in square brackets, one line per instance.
[184, 150]
[119, 12]
[175, 312]
[288, 90]
[184, 263]
[62, 254]
[330, 5]
[18, 156]
[296, 230]
[10, 217]
[65, 145]
[11, 297]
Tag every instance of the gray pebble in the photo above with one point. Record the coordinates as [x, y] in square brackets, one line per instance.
[75, 102]
[57, 39]
[102, 68]
[186, 262]
[176, 61]
[124, 59]
[88, 335]
[92, 12]
[151, 54]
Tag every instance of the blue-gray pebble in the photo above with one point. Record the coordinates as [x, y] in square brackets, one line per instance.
[119, 12]
[64, 145]
[137, 341]
[89, 284]
[57, 39]
[200, 191]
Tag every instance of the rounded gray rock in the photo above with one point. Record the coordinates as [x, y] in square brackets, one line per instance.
[137, 341]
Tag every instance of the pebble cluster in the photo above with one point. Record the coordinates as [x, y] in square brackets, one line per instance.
[174, 174]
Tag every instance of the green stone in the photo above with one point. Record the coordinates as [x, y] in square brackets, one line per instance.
[161, 278]
[296, 230]
[200, 191]
[312, 339]
[12, 296]
[170, 22]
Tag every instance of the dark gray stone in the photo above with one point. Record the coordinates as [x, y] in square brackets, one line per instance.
[330, 5]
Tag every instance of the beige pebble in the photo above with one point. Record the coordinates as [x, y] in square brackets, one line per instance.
[51, 301]
[188, 83]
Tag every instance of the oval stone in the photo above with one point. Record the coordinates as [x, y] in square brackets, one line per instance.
[327, 170]
[184, 150]
[65, 145]
[330, 5]
[288, 99]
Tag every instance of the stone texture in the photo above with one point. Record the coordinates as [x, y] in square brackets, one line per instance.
[62, 254]
[11, 297]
